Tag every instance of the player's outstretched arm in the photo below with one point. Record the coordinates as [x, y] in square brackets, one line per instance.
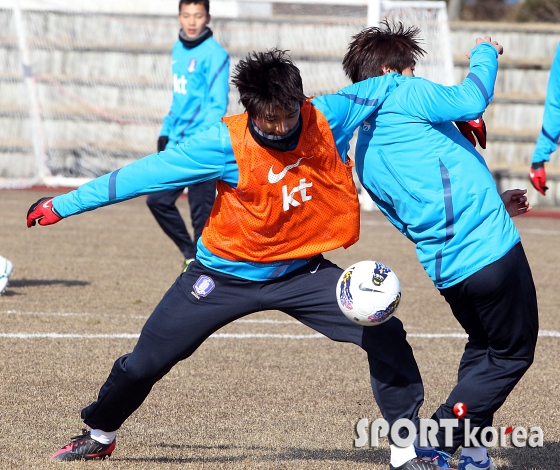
[439, 103]
[547, 141]
[200, 158]
[516, 201]
[43, 213]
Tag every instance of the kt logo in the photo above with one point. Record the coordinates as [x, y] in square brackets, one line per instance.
[288, 199]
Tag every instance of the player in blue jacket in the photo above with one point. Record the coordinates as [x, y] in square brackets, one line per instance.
[434, 187]
[200, 68]
[550, 132]
[284, 171]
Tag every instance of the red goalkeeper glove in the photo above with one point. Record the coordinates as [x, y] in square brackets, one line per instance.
[473, 128]
[42, 212]
[537, 175]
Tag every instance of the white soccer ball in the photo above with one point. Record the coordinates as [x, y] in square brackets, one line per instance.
[368, 293]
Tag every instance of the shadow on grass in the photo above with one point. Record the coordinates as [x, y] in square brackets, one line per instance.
[527, 458]
[46, 282]
[261, 454]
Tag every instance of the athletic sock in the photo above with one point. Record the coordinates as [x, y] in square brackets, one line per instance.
[103, 437]
[401, 455]
[478, 454]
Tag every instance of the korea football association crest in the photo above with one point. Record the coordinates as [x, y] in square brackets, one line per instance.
[192, 66]
[203, 286]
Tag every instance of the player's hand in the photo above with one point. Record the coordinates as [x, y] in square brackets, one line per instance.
[42, 212]
[162, 142]
[497, 46]
[473, 128]
[516, 202]
[537, 175]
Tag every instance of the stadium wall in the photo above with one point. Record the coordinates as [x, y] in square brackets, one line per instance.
[513, 119]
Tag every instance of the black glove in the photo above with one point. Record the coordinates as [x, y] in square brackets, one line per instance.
[162, 142]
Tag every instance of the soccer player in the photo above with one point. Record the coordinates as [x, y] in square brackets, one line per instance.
[285, 196]
[550, 132]
[200, 69]
[433, 186]
[6, 268]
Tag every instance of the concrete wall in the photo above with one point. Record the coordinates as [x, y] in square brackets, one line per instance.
[125, 71]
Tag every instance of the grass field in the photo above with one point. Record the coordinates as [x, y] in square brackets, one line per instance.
[265, 392]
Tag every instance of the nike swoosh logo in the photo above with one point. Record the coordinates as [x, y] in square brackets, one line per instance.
[46, 203]
[476, 121]
[314, 270]
[368, 289]
[275, 177]
[531, 174]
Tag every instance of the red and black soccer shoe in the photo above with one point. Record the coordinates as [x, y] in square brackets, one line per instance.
[83, 447]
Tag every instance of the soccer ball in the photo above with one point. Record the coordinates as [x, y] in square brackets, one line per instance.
[368, 293]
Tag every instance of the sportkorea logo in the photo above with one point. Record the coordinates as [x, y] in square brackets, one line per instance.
[426, 434]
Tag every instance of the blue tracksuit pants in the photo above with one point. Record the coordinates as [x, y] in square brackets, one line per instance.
[497, 307]
[202, 300]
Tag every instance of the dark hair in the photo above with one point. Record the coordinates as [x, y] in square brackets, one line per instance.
[390, 45]
[206, 4]
[266, 80]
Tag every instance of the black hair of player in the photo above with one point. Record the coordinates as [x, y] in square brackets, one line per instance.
[266, 80]
[390, 45]
[206, 4]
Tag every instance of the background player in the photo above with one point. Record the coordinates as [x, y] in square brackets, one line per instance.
[285, 195]
[6, 269]
[433, 185]
[200, 69]
[550, 132]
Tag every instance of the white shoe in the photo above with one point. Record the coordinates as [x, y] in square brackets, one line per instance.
[6, 269]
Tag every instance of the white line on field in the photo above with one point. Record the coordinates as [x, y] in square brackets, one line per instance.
[542, 333]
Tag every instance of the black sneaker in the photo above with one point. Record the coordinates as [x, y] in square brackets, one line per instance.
[83, 447]
[416, 463]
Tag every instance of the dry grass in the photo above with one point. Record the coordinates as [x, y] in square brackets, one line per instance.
[237, 403]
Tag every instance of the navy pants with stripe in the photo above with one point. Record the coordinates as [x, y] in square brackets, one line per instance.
[497, 307]
[201, 199]
[182, 321]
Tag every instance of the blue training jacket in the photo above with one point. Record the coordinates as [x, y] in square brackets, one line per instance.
[550, 132]
[429, 180]
[209, 155]
[200, 89]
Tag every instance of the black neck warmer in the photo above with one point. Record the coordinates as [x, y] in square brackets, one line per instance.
[190, 43]
[282, 143]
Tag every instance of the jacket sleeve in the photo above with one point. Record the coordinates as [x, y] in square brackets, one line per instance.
[218, 89]
[171, 116]
[547, 141]
[348, 108]
[173, 168]
[437, 103]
